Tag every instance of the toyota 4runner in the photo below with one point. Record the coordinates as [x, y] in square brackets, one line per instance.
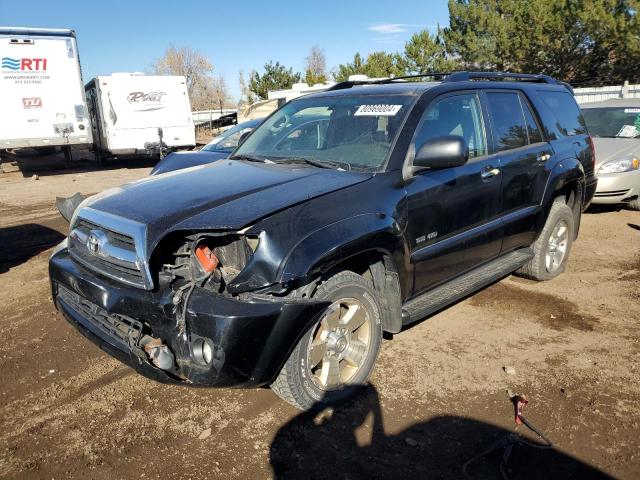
[344, 215]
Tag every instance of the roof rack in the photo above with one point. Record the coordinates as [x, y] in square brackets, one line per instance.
[460, 77]
[348, 84]
[442, 75]
[504, 76]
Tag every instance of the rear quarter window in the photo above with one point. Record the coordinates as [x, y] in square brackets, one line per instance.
[564, 108]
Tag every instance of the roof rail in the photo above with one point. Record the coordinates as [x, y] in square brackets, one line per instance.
[417, 75]
[505, 76]
[348, 84]
[374, 81]
[461, 77]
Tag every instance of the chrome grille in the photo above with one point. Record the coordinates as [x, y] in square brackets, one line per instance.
[110, 245]
[115, 238]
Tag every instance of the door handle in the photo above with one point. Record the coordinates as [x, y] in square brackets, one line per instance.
[543, 157]
[489, 172]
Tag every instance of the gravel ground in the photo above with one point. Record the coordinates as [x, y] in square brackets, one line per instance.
[436, 400]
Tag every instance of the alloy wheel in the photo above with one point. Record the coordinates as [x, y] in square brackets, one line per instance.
[339, 344]
[557, 246]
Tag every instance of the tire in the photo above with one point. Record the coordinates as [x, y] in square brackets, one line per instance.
[68, 157]
[539, 267]
[304, 385]
[99, 158]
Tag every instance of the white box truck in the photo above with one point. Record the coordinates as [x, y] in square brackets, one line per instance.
[41, 90]
[132, 112]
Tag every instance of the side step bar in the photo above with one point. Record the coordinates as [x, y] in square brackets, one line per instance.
[452, 291]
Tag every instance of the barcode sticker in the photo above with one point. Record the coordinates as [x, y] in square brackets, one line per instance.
[377, 110]
[628, 131]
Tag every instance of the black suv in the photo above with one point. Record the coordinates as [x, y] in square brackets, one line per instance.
[344, 215]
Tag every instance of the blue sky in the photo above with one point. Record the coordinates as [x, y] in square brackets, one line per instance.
[118, 36]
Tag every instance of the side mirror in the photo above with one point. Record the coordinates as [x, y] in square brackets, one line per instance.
[243, 137]
[442, 152]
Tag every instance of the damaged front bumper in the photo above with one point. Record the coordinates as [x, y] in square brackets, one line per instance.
[247, 340]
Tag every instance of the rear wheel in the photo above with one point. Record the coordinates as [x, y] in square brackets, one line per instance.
[551, 249]
[337, 354]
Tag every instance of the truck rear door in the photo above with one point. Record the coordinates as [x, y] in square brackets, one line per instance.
[41, 92]
[524, 159]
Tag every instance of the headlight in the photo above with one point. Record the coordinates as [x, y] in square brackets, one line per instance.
[619, 166]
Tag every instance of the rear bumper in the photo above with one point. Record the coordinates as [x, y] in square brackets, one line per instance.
[250, 339]
[617, 188]
[45, 142]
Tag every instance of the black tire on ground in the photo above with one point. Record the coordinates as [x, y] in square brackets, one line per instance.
[538, 267]
[634, 204]
[68, 157]
[99, 158]
[295, 383]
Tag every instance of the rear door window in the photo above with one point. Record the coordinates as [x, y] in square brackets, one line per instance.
[569, 120]
[509, 125]
[532, 126]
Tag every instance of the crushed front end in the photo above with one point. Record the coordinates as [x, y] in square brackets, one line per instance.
[174, 315]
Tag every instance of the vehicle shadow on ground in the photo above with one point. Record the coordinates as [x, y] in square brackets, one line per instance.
[19, 243]
[603, 208]
[31, 162]
[310, 446]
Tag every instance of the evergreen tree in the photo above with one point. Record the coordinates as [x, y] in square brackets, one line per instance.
[589, 41]
[275, 77]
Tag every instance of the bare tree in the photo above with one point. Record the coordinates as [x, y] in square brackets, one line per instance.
[191, 64]
[315, 66]
[218, 92]
[246, 96]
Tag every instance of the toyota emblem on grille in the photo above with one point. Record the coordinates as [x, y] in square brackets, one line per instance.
[93, 244]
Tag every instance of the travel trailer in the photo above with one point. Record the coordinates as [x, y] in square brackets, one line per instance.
[134, 114]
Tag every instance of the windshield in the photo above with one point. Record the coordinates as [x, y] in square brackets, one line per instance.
[342, 131]
[228, 140]
[612, 122]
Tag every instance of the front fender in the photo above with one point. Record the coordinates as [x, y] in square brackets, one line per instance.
[324, 248]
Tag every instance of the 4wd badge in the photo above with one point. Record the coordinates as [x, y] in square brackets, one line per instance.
[32, 102]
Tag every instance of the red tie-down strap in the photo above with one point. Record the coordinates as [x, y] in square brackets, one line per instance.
[519, 401]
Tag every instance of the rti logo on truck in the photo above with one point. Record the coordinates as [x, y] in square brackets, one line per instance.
[24, 64]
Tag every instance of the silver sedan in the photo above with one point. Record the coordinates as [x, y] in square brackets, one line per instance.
[615, 128]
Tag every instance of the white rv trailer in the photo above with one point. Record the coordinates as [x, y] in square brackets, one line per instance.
[131, 111]
[41, 89]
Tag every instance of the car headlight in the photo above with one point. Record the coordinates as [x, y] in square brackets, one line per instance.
[619, 166]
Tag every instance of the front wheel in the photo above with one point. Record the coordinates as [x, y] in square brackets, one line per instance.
[337, 354]
[551, 249]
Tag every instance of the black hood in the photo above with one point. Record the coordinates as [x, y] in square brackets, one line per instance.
[179, 160]
[225, 195]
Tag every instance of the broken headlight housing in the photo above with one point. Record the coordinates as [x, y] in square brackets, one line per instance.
[213, 259]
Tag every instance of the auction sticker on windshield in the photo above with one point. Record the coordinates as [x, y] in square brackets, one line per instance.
[628, 131]
[377, 110]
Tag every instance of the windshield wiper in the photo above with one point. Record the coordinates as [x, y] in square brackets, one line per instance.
[251, 158]
[315, 163]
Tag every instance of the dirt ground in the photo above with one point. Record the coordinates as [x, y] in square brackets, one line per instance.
[437, 398]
